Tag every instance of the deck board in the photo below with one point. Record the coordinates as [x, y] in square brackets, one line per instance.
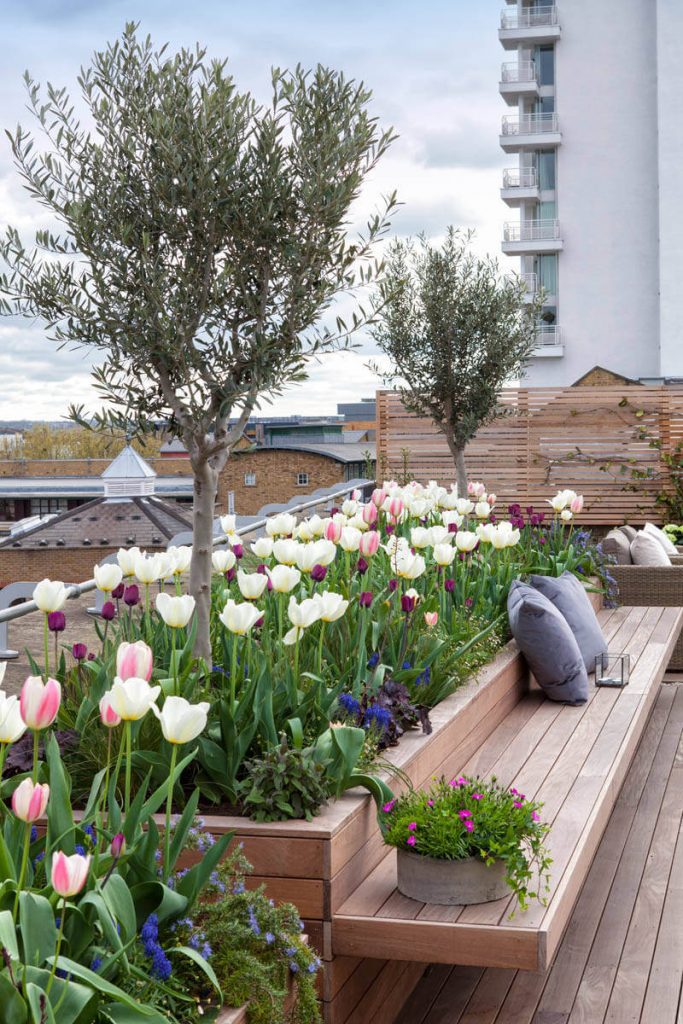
[621, 957]
[574, 760]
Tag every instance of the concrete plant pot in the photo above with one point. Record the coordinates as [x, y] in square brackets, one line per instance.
[450, 882]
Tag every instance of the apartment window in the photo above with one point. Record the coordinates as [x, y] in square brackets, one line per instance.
[546, 169]
[545, 62]
[302, 479]
[546, 105]
[546, 271]
[46, 506]
[250, 479]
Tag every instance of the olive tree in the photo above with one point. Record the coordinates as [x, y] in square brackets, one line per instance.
[201, 243]
[455, 332]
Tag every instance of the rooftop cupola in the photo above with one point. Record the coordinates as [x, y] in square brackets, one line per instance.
[128, 476]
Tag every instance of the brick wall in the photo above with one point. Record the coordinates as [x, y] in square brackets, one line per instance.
[276, 472]
[84, 467]
[72, 565]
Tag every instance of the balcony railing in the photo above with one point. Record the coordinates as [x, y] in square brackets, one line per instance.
[518, 71]
[530, 283]
[520, 177]
[534, 17]
[531, 230]
[529, 124]
[548, 335]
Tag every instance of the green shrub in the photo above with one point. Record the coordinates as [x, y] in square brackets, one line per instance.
[284, 783]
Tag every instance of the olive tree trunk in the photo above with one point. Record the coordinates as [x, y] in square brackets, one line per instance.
[458, 453]
[205, 490]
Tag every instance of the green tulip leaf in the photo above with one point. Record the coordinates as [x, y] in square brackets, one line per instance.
[118, 898]
[37, 926]
[8, 934]
[13, 1009]
[200, 962]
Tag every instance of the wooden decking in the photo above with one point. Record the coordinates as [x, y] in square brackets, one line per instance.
[621, 958]
[572, 759]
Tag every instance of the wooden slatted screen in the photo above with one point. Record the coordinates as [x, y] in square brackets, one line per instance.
[586, 438]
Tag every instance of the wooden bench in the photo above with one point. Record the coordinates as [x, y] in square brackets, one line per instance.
[572, 759]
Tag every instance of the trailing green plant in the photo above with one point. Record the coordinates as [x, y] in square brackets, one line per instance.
[464, 817]
[284, 783]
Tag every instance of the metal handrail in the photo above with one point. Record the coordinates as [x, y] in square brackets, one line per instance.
[78, 589]
[548, 335]
[531, 230]
[518, 71]
[529, 124]
[520, 177]
[535, 17]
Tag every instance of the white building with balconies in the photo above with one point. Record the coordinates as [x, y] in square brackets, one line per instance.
[595, 138]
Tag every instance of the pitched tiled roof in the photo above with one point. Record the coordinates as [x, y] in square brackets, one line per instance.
[147, 522]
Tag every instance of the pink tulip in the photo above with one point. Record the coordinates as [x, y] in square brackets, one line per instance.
[356, 495]
[134, 661]
[395, 507]
[379, 496]
[577, 504]
[369, 544]
[39, 702]
[108, 716]
[29, 800]
[69, 874]
[333, 531]
[431, 618]
[491, 498]
[369, 514]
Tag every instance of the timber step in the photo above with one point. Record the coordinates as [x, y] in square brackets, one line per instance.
[572, 759]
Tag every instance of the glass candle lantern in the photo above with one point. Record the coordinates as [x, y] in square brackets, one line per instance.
[612, 669]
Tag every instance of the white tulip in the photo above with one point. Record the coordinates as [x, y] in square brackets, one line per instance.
[132, 698]
[486, 532]
[304, 532]
[286, 551]
[420, 537]
[291, 636]
[316, 525]
[50, 595]
[181, 558]
[107, 576]
[418, 507]
[303, 614]
[228, 526]
[349, 507]
[166, 564]
[566, 515]
[357, 523]
[482, 510]
[251, 584]
[448, 500]
[240, 618]
[175, 611]
[449, 517]
[182, 722]
[350, 538]
[464, 506]
[263, 547]
[126, 559]
[12, 725]
[223, 560]
[439, 535]
[281, 525]
[408, 565]
[443, 554]
[149, 568]
[465, 540]
[331, 605]
[319, 552]
[284, 578]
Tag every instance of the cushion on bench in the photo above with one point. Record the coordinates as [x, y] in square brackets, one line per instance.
[569, 596]
[646, 550]
[653, 531]
[617, 544]
[545, 639]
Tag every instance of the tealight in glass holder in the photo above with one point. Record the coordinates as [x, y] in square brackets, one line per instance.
[612, 669]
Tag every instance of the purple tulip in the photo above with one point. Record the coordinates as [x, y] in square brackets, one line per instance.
[108, 611]
[393, 584]
[118, 592]
[258, 624]
[469, 601]
[131, 595]
[56, 622]
[362, 566]
[318, 573]
[79, 652]
[231, 574]
[408, 603]
[389, 527]
[238, 551]
[365, 599]
[452, 527]
[91, 656]
[449, 585]
[118, 845]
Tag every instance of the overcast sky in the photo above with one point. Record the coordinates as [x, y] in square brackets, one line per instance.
[433, 68]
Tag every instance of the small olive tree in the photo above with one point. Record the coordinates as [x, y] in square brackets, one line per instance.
[455, 332]
[201, 239]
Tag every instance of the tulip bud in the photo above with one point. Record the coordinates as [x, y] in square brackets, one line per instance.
[395, 507]
[318, 573]
[365, 599]
[134, 660]
[408, 603]
[238, 550]
[108, 716]
[118, 845]
[379, 496]
[108, 611]
[79, 652]
[118, 592]
[56, 622]
[393, 584]
[39, 702]
[369, 544]
[369, 514]
[449, 586]
[333, 531]
[431, 619]
[362, 566]
[131, 595]
[29, 800]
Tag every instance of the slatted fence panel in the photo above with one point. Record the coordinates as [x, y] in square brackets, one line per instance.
[583, 438]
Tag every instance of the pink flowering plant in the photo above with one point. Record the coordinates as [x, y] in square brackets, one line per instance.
[469, 817]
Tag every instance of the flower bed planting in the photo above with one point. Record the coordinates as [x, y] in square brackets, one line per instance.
[336, 643]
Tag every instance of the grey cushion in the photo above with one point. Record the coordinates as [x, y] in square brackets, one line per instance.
[653, 531]
[629, 531]
[646, 550]
[548, 644]
[569, 596]
[617, 543]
